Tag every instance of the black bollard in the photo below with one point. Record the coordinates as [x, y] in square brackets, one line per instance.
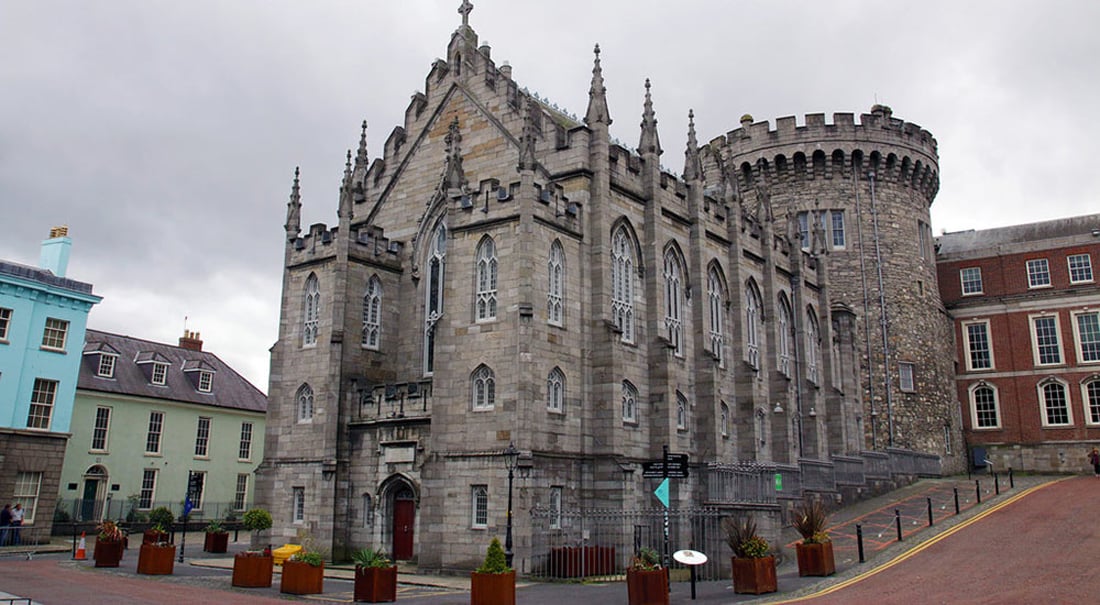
[692, 583]
[996, 485]
[978, 489]
[1011, 481]
[897, 522]
[859, 541]
[956, 488]
[930, 523]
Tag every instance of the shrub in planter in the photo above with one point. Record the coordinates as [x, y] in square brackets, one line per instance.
[109, 544]
[216, 539]
[256, 520]
[646, 579]
[161, 518]
[815, 552]
[493, 583]
[303, 573]
[375, 576]
[753, 566]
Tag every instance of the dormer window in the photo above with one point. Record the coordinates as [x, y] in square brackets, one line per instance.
[206, 381]
[160, 373]
[200, 374]
[106, 367]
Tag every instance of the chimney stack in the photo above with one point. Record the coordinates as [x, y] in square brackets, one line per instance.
[55, 251]
[191, 341]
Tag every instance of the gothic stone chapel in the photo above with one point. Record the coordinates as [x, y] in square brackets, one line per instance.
[506, 274]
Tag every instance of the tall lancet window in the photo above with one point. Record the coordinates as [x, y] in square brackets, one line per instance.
[372, 314]
[622, 283]
[555, 291]
[813, 345]
[752, 325]
[716, 303]
[786, 326]
[312, 311]
[674, 302]
[486, 280]
[433, 303]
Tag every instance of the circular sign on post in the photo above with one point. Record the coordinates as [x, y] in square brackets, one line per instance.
[689, 557]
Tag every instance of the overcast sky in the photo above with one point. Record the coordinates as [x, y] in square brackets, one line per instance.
[165, 133]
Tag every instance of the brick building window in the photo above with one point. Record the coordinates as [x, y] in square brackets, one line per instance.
[979, 349]
[1038, 273]
[1045, 335]
[985, 409]
[1053, 397]
[1087, 326]
[1080, 268]
[971, 278]
[1090, 394]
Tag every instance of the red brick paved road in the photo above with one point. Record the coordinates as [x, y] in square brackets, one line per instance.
[1041, 548]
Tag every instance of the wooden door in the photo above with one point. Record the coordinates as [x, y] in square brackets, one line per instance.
[404, 518]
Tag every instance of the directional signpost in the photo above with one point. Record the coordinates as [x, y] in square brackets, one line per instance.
[669, 466]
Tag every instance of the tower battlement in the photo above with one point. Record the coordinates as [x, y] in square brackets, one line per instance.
[878, 126]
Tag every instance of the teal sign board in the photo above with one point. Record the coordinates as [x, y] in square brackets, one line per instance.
[662, 492]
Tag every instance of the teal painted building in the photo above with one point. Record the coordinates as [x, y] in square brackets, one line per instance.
[43, 315]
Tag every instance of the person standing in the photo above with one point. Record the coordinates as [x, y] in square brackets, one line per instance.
[17, 524]
[5, 524]
[1094, 460]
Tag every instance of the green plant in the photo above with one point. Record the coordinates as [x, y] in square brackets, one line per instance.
[494, 559]
[809, 519]
[108, 531]
[646, 559]
[369, 557]
[161, 518]
[231, 516]
[742, 538]
[309, 557]
[256, 519]
[215, 527]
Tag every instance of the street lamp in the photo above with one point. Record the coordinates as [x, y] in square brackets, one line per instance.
[511, 459]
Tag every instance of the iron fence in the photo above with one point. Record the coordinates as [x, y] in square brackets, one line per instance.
[741, 482]
[93, 511]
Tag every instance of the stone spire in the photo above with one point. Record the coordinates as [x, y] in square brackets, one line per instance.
[344, 210]
[361, 155]
[649, 142]
[693, 166]
[597, 96]
[527, 139]
[294, 209]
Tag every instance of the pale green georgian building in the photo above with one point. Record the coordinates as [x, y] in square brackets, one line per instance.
[147, 417]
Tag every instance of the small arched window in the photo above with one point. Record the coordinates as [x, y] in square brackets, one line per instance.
[681, 411]
[630, 402]
[555, 391]
[484, 388]
[304, 401]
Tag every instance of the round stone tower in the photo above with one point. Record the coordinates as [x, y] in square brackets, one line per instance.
[869, 185]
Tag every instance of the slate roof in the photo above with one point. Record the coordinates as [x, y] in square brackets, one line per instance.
[229, 389]
[43, 276]
[966, 241]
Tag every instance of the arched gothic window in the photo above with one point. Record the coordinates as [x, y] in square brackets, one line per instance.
[1090, 390]
[1055, 402]
[724, 420]
[622, 283]
[985, 412]
[753, 310]
[312, 311]
[630, 402]
[486, 280]
[304, 400]
[372, 314]
[674, 303]
[433, 303]
[555, 391]
[786, 333]
[716, 304]
[484, 388]
[681, 411]
[555, 291]
[813, 345]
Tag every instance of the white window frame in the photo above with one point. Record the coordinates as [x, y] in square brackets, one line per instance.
[674, 302]
[968, 349]
[311, 310]
[1036, 348]
[968, 277]
[159, 374]
[5, 323]
[555, 288]
[155, 431]
[148, 493]
[303, 402]
[841, 242]
[55, 334]
[297, 505]
[244, 448]
[717, 307]
[101, 429]
[555, 391]
[106, 366]
[1044, 405]
[975, 421]
[1090, 399]
[240, 493]
[485, 300]
[1083, 268]
[907, 381]
[28, 486]
[206, 381]
[629, 403]
[372, 315]
[1038, 273]
[555, 506]
[622, 283]
[479, 507]
[43, 398]
[482, 389]
[1092, 355]
[203, 431]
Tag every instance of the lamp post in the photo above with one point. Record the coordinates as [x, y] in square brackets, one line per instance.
[511, 458]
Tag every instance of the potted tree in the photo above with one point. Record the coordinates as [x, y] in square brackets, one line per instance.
[217, 537]
[646, 580]
[303, 573]
[493, 583]
[157, 558]
[753, 565]
[161, 518]
[109, 544]
[375, 576]
[253, 568]
[815, 552]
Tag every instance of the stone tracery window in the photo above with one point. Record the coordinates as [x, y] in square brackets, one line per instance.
[486, 302]
[312, 310]
[622, 283]
[555, 291]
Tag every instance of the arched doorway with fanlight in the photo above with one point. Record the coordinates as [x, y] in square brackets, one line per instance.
[400, 501]
[95, 488]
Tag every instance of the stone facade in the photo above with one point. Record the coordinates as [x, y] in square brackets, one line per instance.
[505, 274]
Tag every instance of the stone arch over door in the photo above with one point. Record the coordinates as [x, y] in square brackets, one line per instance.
[400, 500]
[93, 492]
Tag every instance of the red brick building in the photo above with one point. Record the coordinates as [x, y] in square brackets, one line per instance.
[1025, 302]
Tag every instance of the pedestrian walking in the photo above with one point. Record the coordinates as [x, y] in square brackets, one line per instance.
[1094, 460]
[17, 524]
[5, 524]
